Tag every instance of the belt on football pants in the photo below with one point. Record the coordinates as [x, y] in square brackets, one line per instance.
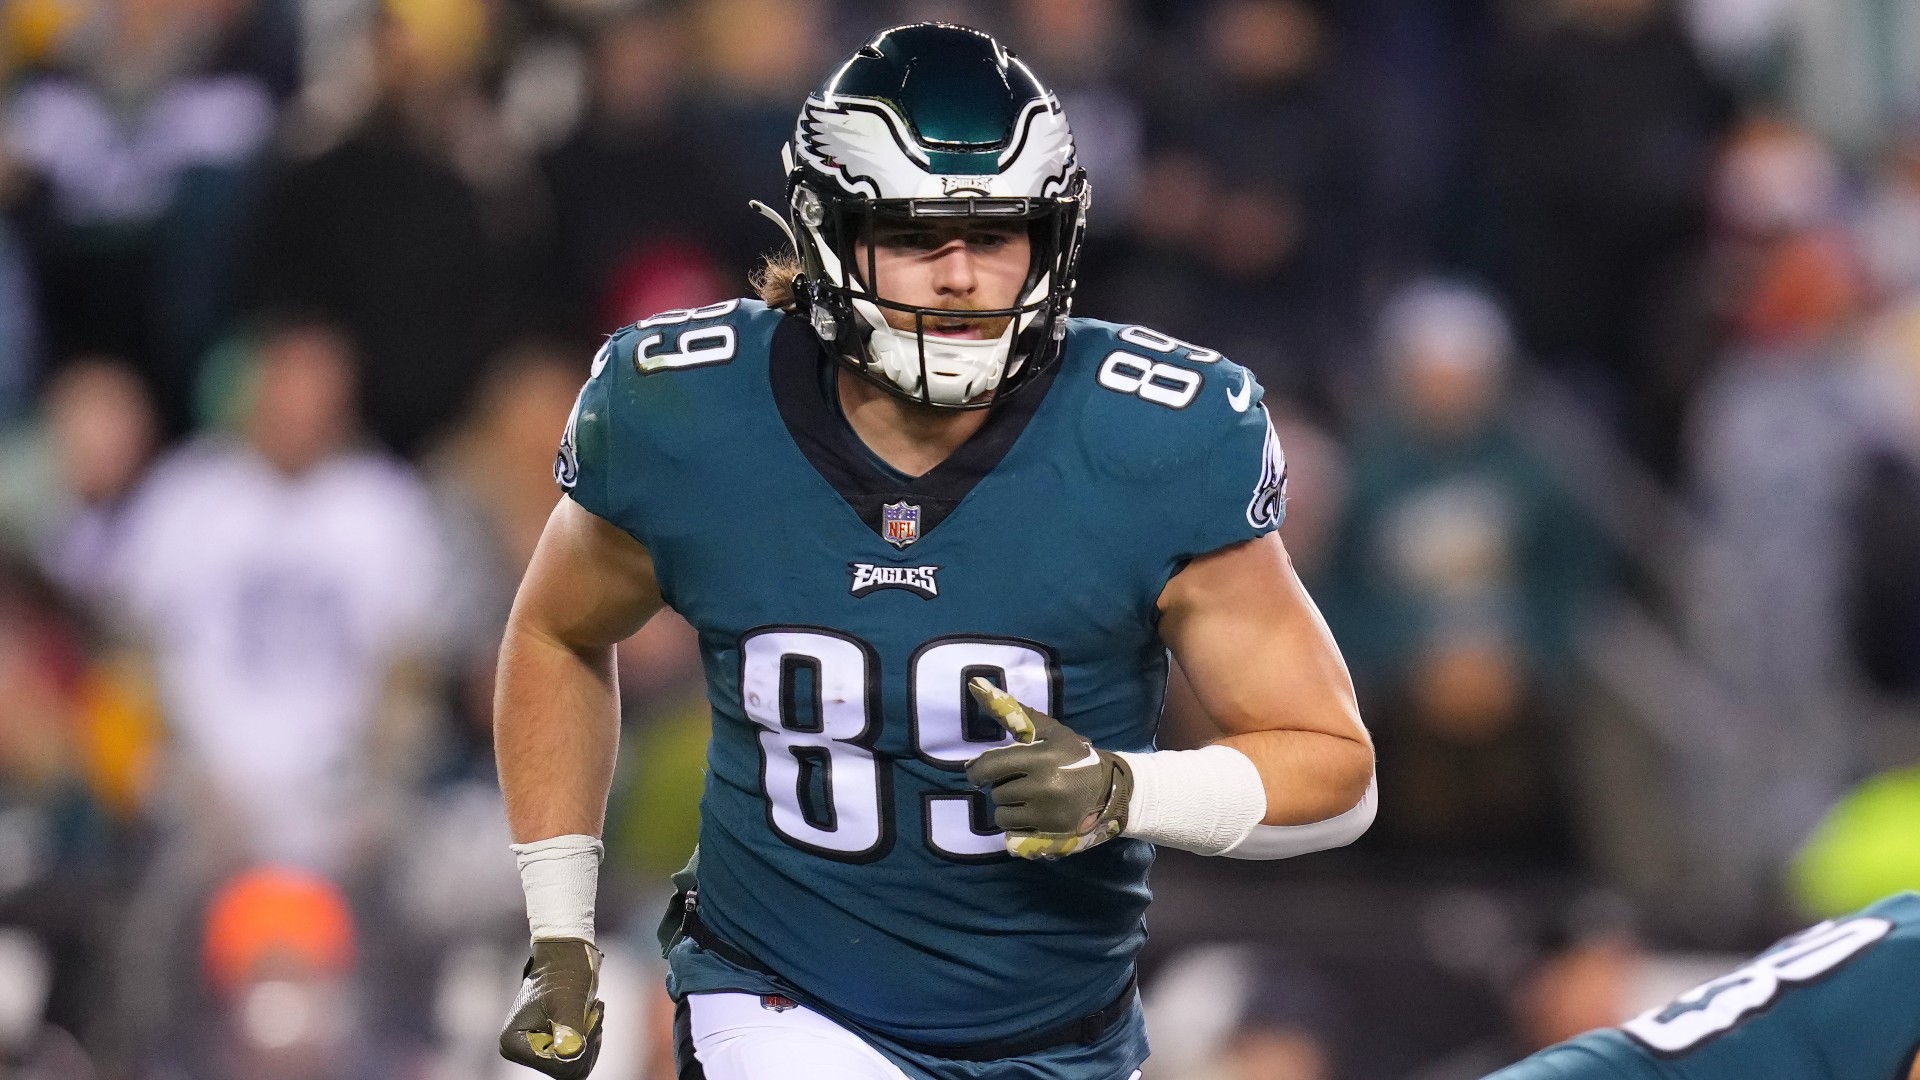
[1087, 1029]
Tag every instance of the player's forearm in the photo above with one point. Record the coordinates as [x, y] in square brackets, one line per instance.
[1309, 776]
[556, 733]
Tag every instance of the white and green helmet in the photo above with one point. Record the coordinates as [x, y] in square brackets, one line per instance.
[934, 121]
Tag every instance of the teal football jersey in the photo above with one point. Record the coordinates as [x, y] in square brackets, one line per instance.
[1840, 1001]
[842, 607]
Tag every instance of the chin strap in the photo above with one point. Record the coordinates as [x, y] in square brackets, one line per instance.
[897, 354]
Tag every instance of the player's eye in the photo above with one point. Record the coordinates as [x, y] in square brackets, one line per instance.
[910, 241]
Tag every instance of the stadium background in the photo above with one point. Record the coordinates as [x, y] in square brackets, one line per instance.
[1592, 328]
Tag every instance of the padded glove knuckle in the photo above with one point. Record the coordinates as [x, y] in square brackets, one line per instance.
[557, 1003]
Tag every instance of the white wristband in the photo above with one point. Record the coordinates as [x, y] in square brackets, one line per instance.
[1204, 800]
[560, 876]
[1286, 841]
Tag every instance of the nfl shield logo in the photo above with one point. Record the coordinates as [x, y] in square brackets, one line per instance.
[900, 523]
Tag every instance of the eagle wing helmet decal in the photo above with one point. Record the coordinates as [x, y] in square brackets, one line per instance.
[1041, 157]
[862, 142]
[867, 146]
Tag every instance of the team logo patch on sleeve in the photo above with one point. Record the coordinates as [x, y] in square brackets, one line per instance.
[566, 463]
[900, 523]
[1269, 500]
[918, 580]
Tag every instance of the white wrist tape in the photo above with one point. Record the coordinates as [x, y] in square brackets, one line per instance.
[1204, 800]
[560, 876]
[1286, 841]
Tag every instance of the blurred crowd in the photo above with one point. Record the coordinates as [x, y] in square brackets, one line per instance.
[1592, 329]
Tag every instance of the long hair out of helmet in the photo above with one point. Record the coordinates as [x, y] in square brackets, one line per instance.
[937, 123]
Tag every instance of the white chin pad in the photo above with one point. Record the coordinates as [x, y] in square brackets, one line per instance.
[960, 371]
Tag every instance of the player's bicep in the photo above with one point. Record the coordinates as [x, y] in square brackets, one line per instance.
[590, 584]
[1254, 646]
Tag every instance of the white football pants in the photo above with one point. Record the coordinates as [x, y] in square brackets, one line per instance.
[735, 1037]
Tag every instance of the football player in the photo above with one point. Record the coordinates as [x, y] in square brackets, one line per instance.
[937, 539]
[1839, 1001]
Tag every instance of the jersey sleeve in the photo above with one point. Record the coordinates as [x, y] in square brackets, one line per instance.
[583, 465]
[654, 387]
[1242, 490]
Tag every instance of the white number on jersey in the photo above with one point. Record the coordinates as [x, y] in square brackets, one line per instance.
[693, 347]
[1715, 1007]
[1161, 343]
[809, 690]
[937, 694]
[813, 692]
[1149, 380]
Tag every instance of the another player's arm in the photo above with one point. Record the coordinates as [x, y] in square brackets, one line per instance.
[556, 733]
[1266, 670]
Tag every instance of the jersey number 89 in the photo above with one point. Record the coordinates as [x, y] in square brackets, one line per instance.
[815, 693]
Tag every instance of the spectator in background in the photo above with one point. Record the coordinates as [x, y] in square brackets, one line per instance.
[1849, 70]
[1271, 246]
[1777, 445]
[31, 1048]
[646, 215]
[19, 316]
[56, 839]
[1459, 574]
[1088, 51]
[1599, 140]
[1887, 227]
[278, 957]
[1415, 72]
[64, 481]
[1883, 517]
[286, 582]
[415, 232]
[492, 481]
[758, 57]
[1152, 270]
[1579, 967]
[1244, 1012]
[139, 141]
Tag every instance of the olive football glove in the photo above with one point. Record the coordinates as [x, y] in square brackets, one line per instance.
[555, 1023]
[1053, 791]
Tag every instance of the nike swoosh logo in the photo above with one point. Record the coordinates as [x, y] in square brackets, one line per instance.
[1244, 397]
[1092, 758]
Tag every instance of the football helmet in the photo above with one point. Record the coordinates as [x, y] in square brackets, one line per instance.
[933, 121]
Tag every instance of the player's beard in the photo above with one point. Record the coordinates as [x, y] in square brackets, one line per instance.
[987, 328]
